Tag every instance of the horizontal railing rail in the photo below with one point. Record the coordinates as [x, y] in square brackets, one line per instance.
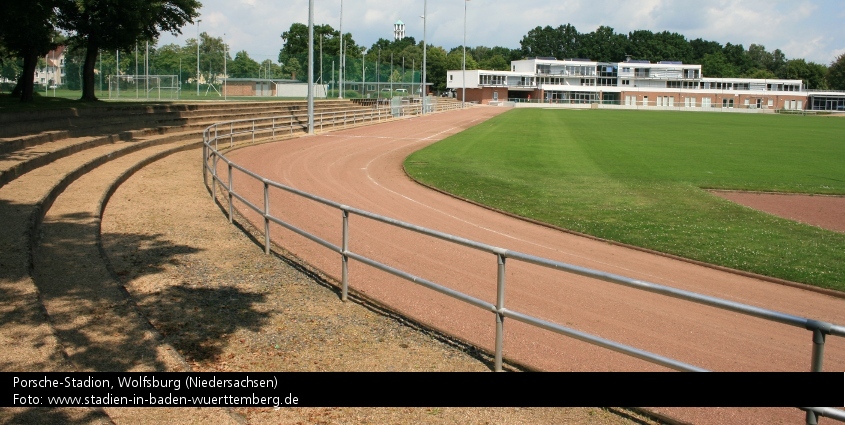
[212, 156]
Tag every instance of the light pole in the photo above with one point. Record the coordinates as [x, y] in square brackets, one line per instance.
[340, 53]
[464, 68]
[311, 67]
[422, 89]
[198, 57]
[225, 62]
[363, 73]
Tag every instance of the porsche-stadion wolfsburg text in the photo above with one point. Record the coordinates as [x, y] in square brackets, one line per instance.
[149, 391]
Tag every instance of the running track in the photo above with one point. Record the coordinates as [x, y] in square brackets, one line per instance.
[362, 167]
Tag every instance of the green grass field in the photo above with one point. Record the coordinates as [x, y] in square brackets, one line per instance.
[637, 177]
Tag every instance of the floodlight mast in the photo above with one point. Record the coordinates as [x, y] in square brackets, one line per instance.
[198, 56]
[422, 89]
[340, 55]
[464, 68]
[225, 62]
[311, 67]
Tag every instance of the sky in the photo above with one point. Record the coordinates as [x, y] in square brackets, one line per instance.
[810, 29]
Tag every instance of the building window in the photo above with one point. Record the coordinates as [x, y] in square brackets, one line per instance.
[673, 84]
[626, 82]
[451, 78]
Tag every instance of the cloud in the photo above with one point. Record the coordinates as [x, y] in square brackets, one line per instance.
[801, 28]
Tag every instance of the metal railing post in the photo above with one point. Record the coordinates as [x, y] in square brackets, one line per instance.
[818, 350]
[500, 305]
[812, 418]
[231, 134]
[253, 131]
[205, 162]
[344, 258]
[214, 179]
[230, 194]
[266, 218]
[274, 127]
[291, 125]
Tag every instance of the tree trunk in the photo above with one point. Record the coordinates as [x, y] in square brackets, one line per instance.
[16, 92]
[88, 77]
[26, 83]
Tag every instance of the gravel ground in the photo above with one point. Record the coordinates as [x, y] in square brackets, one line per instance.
[208, 288]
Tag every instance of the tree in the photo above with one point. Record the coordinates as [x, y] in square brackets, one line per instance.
[296, 43]
[736, 55]
[812, 74]
[604, 44]
[436, 67]
[119, 24]
[495, 63]
[717, 65]
[243, 66]
[272, 69]
[561, 42]
[759, 57]
[27, 30]
[212, 51]
[836, 73]
[10, 66]
[455, 58]
[701, 47]
[292, 67]
[169, 59]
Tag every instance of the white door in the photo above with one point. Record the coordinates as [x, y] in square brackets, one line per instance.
[671, 102]
[645, 100]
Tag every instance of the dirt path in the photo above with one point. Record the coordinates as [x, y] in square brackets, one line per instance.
[362, 167]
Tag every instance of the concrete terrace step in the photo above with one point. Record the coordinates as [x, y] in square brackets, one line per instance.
[96, 325]
[17, 125]
[139, 118]
[58, 144]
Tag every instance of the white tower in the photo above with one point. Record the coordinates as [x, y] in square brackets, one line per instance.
[398, 30]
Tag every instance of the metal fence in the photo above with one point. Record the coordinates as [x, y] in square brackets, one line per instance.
[211, 156]
[144, 87]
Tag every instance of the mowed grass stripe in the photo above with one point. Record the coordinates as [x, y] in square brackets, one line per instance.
[636, 177]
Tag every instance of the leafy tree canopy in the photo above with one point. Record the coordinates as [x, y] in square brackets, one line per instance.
[119, 24]
[27, 31]
[836, 73]
[243, 66]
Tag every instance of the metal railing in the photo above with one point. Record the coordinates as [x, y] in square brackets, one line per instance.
[211, 157]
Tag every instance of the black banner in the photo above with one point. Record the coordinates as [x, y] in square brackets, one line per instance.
[366, 389]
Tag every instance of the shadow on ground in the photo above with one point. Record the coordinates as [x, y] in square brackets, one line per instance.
[98, 323]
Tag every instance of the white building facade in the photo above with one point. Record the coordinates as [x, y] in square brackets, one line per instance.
[633, 84]
[53, 73]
